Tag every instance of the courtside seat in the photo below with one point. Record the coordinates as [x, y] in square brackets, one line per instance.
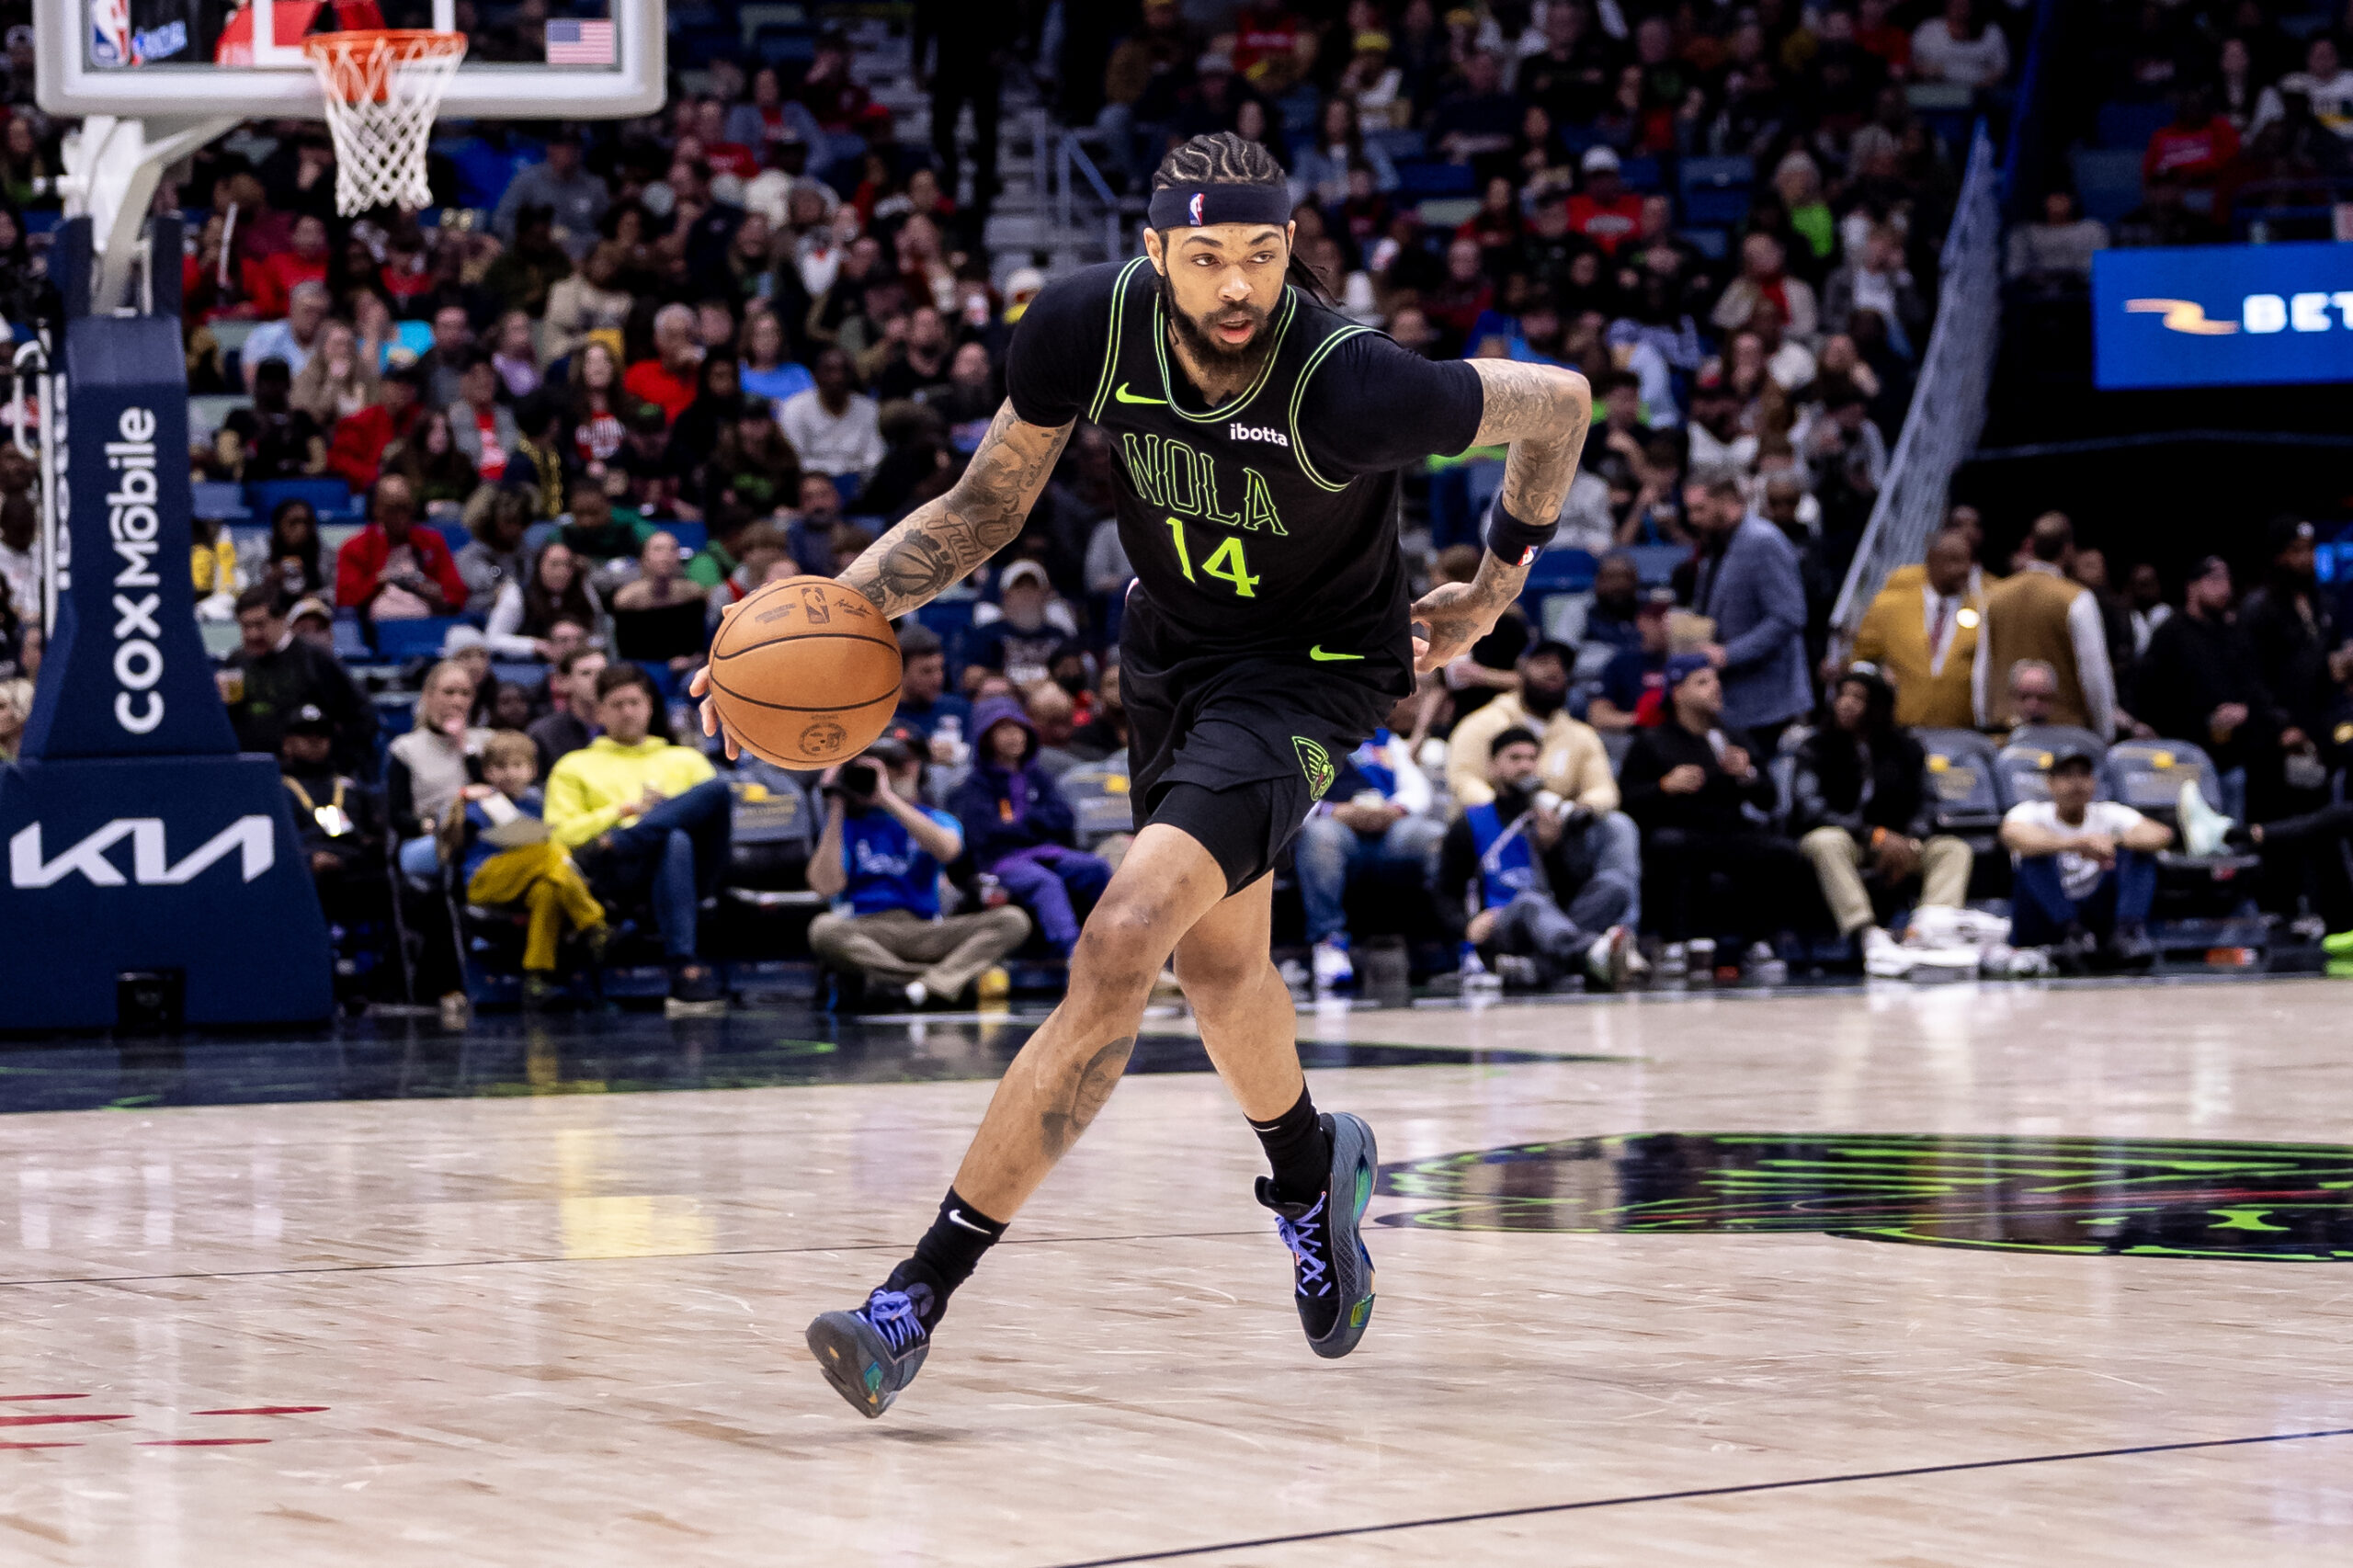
[1098, 793]
[1963, 782]
[2147, 775]
[2023, 773]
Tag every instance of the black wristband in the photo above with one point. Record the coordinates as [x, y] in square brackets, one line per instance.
[1513, 542]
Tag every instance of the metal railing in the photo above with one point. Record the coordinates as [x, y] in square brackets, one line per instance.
[1062, 164]
[1948, 409]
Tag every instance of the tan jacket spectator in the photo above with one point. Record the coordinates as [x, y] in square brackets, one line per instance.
[2040, 615]
[586, 302]
[1571, 763]
[1922, 633]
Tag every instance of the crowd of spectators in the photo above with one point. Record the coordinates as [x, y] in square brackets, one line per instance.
[2233, 114]
[655, 365]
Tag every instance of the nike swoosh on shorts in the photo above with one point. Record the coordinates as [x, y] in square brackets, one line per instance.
[1321, 657]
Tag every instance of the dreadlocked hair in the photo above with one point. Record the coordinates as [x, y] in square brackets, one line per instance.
[1223, 158]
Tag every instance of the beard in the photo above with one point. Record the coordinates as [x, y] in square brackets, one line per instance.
[1198, 336]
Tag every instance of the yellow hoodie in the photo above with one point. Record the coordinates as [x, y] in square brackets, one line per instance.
[593, 790]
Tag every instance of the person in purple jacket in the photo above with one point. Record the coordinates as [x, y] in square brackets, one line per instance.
[1018, 826]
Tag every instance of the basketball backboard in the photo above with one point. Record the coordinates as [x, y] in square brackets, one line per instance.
[180, 60]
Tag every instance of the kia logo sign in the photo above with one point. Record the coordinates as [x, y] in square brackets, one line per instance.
[253, 839]
[2223, 315]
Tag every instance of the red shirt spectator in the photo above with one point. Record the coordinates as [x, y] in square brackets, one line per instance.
[833, 98]
[355, 450]
[1873, 31]
[667, 381]
[1604, 211]
[391, 555]
[1264, 36]
[2195, 148]
[650, 381]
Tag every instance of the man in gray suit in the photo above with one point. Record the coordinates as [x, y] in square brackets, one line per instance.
[1749, 585]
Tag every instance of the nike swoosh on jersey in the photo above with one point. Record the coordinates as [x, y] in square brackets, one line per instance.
[1321, 657]
[956, 1217]
[1122, 393]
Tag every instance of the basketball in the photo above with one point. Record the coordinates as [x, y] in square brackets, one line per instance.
[805, 672]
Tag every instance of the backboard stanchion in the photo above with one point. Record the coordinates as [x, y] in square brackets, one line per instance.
[112, 172]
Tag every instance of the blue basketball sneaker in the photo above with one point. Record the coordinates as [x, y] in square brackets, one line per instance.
[872, 1354]
[1332, 1273]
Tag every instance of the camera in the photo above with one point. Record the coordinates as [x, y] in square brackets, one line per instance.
[856, 783]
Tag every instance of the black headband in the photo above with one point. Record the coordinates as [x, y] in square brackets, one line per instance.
[1199, 206]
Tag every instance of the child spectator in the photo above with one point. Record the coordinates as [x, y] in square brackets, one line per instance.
[497, 833]
[1018, 826]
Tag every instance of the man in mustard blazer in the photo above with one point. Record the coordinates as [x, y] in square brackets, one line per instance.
[1922, 632]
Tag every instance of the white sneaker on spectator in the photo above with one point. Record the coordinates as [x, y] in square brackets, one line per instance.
[1942, 960]
[1674, 962]
[1762, 966]
[2204, 830]
[2031, 963]
[1884, 957]
[917, 994]
[1333, 968]
[1518, 972]
[1606, 962]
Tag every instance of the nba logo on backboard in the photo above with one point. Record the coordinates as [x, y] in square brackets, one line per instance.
[110, 32]
[1196, 210]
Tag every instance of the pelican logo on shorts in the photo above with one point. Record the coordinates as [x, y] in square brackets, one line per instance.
[1258, 433]
[1314, 762]
[822, 738]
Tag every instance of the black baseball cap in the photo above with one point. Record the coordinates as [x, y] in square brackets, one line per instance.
[2067, 759]
[310, 720]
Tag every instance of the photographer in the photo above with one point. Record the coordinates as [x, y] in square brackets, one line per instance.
[1505, 868]
[879, 860]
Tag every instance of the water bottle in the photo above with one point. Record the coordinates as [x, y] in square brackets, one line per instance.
[950, 729]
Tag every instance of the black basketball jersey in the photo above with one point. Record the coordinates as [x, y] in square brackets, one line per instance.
[1254, 526]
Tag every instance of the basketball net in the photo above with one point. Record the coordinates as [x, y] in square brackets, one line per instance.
[381, 88]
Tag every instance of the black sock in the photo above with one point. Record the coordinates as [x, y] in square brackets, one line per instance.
[1299, 1150]
[951, 1249]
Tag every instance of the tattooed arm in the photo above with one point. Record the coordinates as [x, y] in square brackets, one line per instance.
[1541, 411]
[940, 541]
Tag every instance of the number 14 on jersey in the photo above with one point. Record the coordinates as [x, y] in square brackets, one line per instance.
[1226, 563]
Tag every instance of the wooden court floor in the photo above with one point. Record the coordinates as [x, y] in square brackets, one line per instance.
[1950, 1276]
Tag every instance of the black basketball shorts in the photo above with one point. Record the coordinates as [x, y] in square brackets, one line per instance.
[1237, 751]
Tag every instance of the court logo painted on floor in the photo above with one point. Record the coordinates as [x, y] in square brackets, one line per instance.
[2280, 1202]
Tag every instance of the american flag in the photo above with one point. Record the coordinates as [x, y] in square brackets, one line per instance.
[580, 43]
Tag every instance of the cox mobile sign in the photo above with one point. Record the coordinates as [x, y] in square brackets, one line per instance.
[2223, 315]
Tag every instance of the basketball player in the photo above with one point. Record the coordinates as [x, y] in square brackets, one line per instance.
[1260, 434]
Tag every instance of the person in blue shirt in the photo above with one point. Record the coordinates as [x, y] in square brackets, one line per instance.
[1516, 887]
[879, 859]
